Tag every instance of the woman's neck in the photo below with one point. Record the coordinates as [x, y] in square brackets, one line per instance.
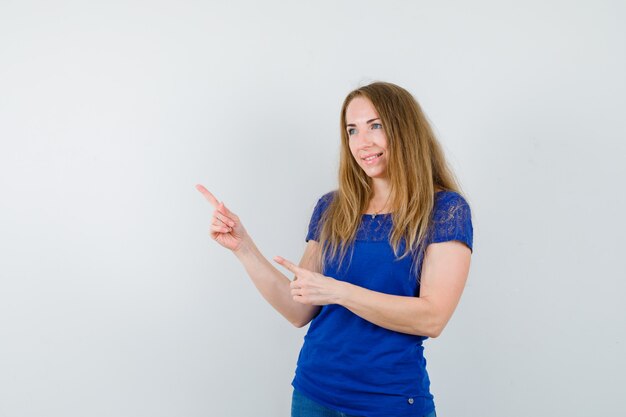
[381, 198]
[381, 190]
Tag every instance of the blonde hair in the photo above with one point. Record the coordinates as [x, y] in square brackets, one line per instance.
[415, 166]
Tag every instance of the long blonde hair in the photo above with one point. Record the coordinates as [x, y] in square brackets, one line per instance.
[415, 166]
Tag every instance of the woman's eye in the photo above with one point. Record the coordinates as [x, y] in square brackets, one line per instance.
[377, 126]
[351, 131]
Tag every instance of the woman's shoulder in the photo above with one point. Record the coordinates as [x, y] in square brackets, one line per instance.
[449, 197]
[452, 219]
[326, 198]
[324, 201]
[449, 204]
[329, 195]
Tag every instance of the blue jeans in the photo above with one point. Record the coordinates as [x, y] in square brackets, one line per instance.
[303, 406]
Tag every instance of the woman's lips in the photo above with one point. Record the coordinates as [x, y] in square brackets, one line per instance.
[373, 160]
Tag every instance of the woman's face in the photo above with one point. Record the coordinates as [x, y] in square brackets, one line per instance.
[366, 137]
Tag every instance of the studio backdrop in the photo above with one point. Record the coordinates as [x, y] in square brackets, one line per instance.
[114, 301]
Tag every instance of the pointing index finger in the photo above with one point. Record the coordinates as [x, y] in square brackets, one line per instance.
[207, 194]
[287, 264]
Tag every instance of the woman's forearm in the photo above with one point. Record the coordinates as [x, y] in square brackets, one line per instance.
[412, 315]
[444, 272]
[272, 284]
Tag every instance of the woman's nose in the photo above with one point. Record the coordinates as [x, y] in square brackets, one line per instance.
[364, 138]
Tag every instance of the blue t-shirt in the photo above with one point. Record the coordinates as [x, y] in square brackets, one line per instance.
[352, 365]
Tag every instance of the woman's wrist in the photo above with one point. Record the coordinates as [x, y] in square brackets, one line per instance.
[342, 292]
[246, 247]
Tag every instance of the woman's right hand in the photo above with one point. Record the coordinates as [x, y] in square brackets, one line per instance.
[226, 228]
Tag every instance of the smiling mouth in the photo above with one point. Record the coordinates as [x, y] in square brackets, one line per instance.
[371, 158]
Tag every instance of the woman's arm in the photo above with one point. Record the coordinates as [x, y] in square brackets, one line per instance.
[273, 285]
[227, 230]
[444, 273]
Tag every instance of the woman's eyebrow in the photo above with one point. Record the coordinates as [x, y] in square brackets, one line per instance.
[368, 122]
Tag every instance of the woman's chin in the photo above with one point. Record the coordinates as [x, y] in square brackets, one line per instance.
[377, 175]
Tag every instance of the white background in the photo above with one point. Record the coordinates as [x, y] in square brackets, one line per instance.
[114, 301]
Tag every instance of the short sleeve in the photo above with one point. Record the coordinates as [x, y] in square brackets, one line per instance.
[314, 224]
[452, 220]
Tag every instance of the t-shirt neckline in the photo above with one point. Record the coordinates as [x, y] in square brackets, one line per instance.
[387, 214]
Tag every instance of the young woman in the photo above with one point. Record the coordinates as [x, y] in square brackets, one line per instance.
[387, 258]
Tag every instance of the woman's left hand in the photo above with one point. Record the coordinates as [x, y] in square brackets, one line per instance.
[312, 287]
